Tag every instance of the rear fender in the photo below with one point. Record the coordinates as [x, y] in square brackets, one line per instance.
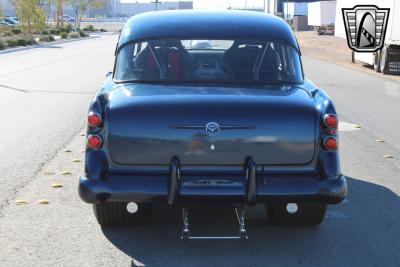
[96, 162]
[328, 164]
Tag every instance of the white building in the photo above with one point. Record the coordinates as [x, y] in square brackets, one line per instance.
[124, 8]
[321, 13]
[273, 7]
[288, 9]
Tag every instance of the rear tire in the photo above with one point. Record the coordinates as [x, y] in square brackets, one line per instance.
[308, 214]
[116, 214]
[384, 60]
[377, 61]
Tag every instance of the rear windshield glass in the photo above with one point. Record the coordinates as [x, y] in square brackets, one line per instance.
[246, 61]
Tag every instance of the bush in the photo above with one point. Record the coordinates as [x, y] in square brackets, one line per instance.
[16, 31]
[68, 27]
[103, 30]
[11, 43]
[2, 45]
[45, 32]
[88, 28]
[30, 41]
[64, 35]
[43, 38]
[7, 33]
[55, 31]
[83, 34]
[74, 35]
[21, 42]
[51, 38]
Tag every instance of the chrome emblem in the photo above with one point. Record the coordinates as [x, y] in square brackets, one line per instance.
[365, 27]
[212, 128]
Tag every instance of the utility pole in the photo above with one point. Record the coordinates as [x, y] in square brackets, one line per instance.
[287, 9]
[157, 2]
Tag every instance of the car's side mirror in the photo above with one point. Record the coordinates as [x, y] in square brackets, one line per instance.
[108, 73]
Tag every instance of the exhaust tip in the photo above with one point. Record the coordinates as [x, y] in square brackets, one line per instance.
[132, 207]
[292, 208]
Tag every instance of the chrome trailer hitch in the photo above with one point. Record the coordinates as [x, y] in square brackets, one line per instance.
[242, 234]
[250, 173]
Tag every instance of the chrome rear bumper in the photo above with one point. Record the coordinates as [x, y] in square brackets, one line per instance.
[247, 187]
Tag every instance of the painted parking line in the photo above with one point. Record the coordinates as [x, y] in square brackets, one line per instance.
[348, 127]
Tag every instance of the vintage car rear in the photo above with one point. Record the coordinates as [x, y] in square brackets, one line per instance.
[210, 107]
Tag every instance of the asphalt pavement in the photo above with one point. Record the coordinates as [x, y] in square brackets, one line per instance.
[44, 95]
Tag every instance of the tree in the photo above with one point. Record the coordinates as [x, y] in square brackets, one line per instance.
[31, 15]
[46, 5]
[81, 6]
[59, 13]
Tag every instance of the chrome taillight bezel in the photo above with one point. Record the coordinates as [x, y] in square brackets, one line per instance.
[325, 142]
[94, 136]
[94, 114]
[330, 126]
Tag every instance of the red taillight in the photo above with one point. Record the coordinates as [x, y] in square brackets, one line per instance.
[94, 141]
[330, 120]
[94, 119]
[330, 143]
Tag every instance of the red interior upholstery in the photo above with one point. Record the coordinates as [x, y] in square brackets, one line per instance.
[174, 63]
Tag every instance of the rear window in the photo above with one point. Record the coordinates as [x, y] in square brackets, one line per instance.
[229, 61]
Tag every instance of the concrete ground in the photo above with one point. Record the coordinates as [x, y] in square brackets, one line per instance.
[109, 26]
[44, 95]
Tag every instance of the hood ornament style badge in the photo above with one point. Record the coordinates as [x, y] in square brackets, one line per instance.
[212, 128]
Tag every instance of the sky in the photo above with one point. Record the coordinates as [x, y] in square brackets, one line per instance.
[216, 4]
[223, 4]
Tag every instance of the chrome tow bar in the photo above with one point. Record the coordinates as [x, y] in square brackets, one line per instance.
[242, 234]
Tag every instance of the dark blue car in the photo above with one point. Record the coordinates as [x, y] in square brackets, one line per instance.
[234, 121]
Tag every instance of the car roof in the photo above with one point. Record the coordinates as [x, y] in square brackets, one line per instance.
[195, 24]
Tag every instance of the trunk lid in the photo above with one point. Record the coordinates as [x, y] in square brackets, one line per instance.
[149, 124]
